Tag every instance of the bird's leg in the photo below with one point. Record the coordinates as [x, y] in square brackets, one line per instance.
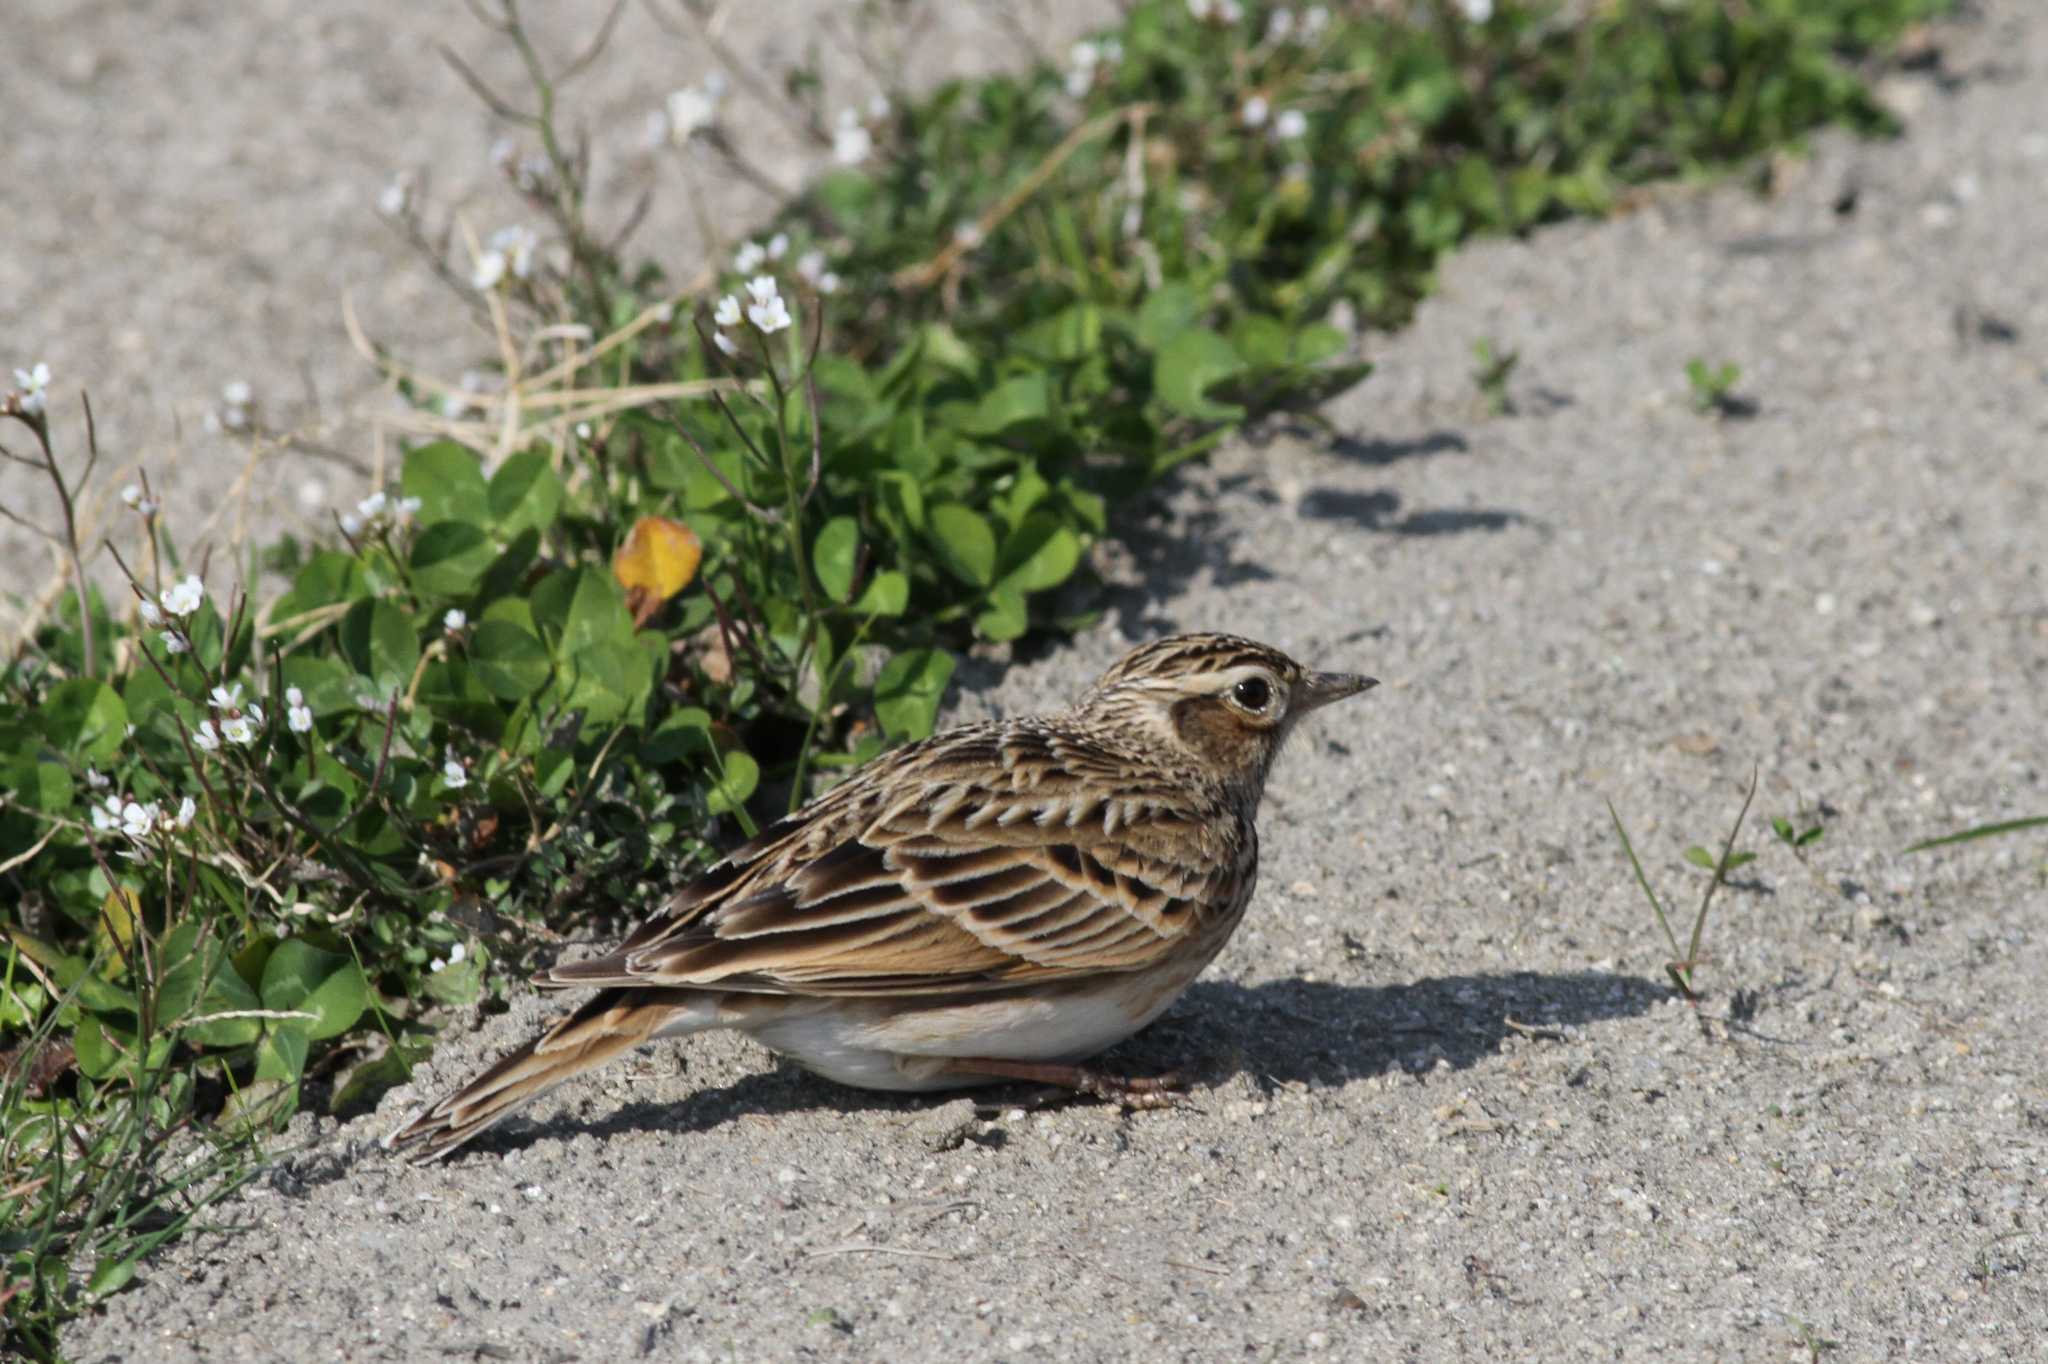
[1132, 1091]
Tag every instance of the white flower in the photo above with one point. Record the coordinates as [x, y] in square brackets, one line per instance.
[768, 311]
[437, 965]
[297, 713]
[1314, 22]
[811, 268]
[748, 258]
[185, 597]
[132, 494]
[724, 343]
[95, 780]
[151, 616]
[1291, 124]
[1083, 60]
[1477, 11]
[206, 737]
[518, 242]
[456, 954]
[968, 235]
[851, 143]
[240, 730]
[186, 809]
[452, 773]
[237, 393]
[372, 507]
[1255, 112]
[778, 246]
[583, 430]
[1280, 25]
[138, 821]
[408, 507]
[727, 313]
[488, 272]
[1201, 9]
[227, 698]
[455, 620]
[828, 283]
[107, 814]
[351, 525]
[665, 313]
[691, 110]
[34, 383]
[174, 643]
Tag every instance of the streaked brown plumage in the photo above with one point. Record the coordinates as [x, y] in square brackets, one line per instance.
[999, 901]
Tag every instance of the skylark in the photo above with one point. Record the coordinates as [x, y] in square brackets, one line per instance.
[997, 902]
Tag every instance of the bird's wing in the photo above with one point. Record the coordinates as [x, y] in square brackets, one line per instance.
[987, 858]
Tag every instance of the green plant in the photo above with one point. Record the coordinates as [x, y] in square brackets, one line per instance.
[1971, 835]
[1491, 375]
[1713, 387]
[1686, 961]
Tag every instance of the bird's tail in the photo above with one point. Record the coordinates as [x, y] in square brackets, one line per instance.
[614, 1021]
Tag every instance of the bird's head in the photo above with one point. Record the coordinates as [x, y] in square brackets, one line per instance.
[1219, 703]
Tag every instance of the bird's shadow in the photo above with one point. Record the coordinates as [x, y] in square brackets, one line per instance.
[1280, 1032]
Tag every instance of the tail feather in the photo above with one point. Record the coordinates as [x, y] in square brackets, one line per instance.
[611, 1023]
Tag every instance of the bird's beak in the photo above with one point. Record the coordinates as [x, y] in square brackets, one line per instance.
[1320, 689]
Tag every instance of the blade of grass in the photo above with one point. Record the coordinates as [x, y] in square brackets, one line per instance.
[1678, 978]
[2009, 826]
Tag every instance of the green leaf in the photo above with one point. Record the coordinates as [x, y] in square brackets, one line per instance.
[966, 545]
[1700, 857]
[509, 661]
[281, 1055]
[84, 718]
[1004, 616]
[39, 786]
[111, 1275]
[325, 984]
[834, 555]
[1070, 335]
[227, 992]
[683, 733]
[525, 493]
[1188, 366]
[1167, 312]
[741, 775]
[449, 559]
[597, 615]
[909, 690]
[1014, 402]
[887, 594]
[379, 642]
[448, 481]
[1039, 554]
[455, 983]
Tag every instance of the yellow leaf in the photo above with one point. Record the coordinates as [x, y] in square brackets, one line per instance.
[116, 927]
[659, 558]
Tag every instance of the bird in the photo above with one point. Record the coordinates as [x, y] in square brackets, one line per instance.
[998, 902]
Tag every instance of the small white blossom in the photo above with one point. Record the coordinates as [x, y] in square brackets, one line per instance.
[748, 258]
[811, 268]
[186, 809]
[1315, 21]
[488, 272]
[174, 643]
[851, 143]
[1083, 59]
[206, 737]
[1280, 25]
[724, 343]
[132, 494]
[237, 393]
[456, 954]
[185, 597]
[583, 430]
[241, 729]
[690, 111]
[351, 525]
[228, 697]
[138, 821]
[437, 965]
[1477, 11]
[106, 816]
[396, 197]
[297, 713]
[34, 383]
[372, 507]
[727, 313]
[767, 312]
[778, 246]
[518, 243]
[1291, 124]
[453, 774]
[151, 616]
[1255, 112]
[455, 620]
[968, 235]
[96, 780]
[408, 508]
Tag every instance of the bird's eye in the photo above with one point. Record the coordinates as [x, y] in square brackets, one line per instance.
[1253, 693]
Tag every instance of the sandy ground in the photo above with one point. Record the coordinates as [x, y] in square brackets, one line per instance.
[1447, 1107]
